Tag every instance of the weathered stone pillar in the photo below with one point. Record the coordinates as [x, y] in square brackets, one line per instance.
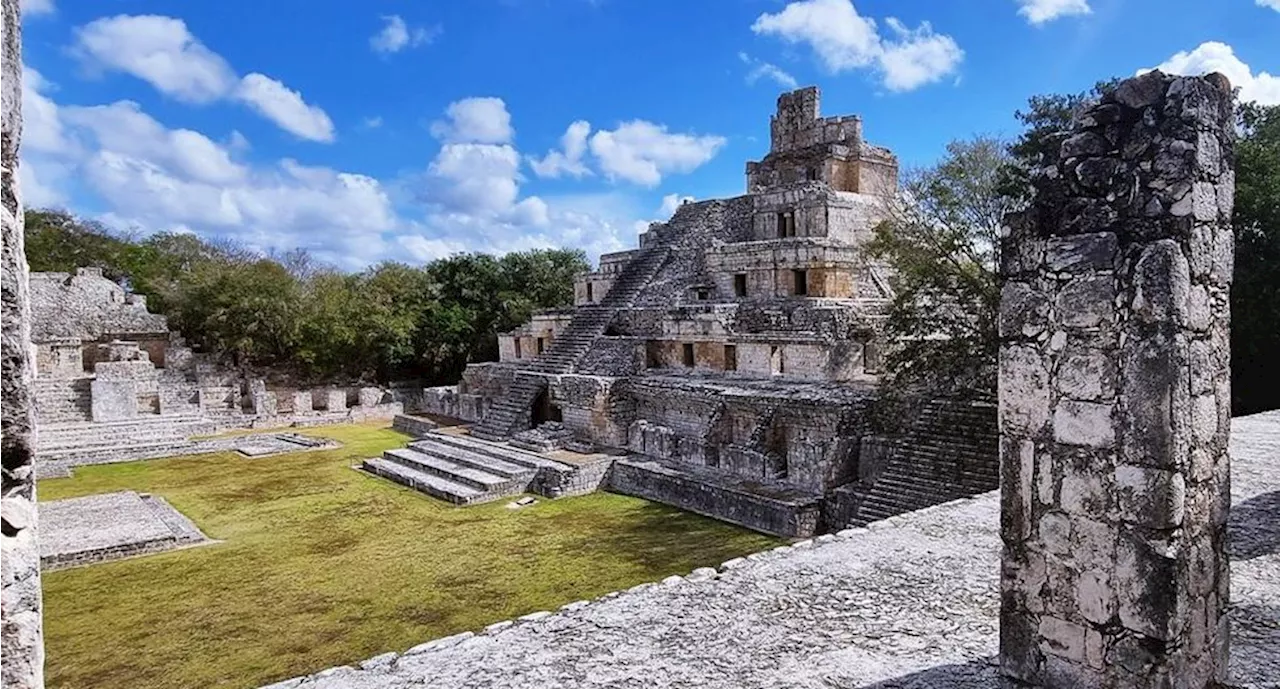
[21, 631]
[1114, 396]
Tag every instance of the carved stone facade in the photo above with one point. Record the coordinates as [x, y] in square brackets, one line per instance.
[1114, 396]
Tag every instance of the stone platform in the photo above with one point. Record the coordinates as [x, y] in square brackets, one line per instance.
[909, 602]
[111, 526]
[249, 445]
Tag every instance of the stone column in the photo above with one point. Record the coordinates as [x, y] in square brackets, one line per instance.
[21, 630]
[1114, 396]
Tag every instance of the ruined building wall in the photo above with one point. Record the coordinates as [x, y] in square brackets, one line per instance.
[21, 629]
[88, 306]
[1114, 396]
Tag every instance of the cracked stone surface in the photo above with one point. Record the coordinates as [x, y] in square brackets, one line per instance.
[910, 602]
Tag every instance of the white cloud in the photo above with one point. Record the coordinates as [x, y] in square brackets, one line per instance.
[163, 52]
[159, 50]
[475, 120]
[845, 40]
[1039, 12]
[919, 57]
[147, 177]
[371, 122]
[276, 102]
[396, 35]
[568, 160]
[642, 152]
[1212, 56]
[33, 8]
[670, 203]
[1273, 4]
[765, 70]
[123, 128]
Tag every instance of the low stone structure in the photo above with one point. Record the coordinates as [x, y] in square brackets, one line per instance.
[734, 355]
[1114, 396]
[911, 602]
[115, 384]
[111, 526]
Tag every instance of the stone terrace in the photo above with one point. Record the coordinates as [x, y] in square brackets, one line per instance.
[908, 602]
[110, 526]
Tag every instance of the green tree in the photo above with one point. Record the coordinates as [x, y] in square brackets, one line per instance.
[1255, 292]
[941, 240]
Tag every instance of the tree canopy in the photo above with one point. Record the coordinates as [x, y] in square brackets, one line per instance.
[391, 321]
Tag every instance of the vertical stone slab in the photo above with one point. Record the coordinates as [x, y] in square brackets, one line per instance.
[1114, 398]
[336, 400]
[21, 630]
[302, 402]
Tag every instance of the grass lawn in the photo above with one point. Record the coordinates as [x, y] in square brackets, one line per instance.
[322, 565]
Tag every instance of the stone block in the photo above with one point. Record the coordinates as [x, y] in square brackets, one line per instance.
[335, 400]
[1086, 302]
[1096, 601]
[264, 403]
[1162, 284]
[113, 400]
[371, 397]
[1085, 493]
[302, 402]
[1081, 253]
[1150, 497]
[1024, 390]
[1088, 424]
[1087, 375]
[1062, 638]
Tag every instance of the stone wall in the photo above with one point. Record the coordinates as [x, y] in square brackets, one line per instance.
[21, 627]
[88, 306]
[1114, 396]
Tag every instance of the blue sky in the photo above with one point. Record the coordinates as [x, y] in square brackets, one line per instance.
[407, 130]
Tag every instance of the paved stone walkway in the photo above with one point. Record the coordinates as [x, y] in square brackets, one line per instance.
[910, 602]
[110, 526]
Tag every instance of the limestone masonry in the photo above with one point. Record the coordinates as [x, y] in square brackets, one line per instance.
[729, 363]
[1115, 404]
[21, 627]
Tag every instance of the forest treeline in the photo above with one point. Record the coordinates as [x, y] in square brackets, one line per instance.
[392, 321]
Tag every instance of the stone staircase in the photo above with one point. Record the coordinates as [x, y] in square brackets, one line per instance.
[460, 469]
[87, 443]
[62, 400]
[513, 412]
[950, 452]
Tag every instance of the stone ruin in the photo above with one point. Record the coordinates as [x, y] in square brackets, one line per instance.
[1115, 404]
[728, 365]
[114, 383]
[1113, 431]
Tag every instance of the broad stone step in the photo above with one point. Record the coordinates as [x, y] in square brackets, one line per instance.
[505, 453]
[430, 484]
[476, 460]
[458, 473]
[773, 509]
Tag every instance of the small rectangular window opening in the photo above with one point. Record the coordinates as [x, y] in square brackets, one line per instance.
[688, 354]
[740, 285]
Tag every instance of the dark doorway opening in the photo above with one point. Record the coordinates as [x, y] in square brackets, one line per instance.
[544, 410]
[740, 285]
[730, 357]
[801, 282]
[688, 354]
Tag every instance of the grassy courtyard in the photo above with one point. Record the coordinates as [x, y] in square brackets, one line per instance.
[321, 565]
